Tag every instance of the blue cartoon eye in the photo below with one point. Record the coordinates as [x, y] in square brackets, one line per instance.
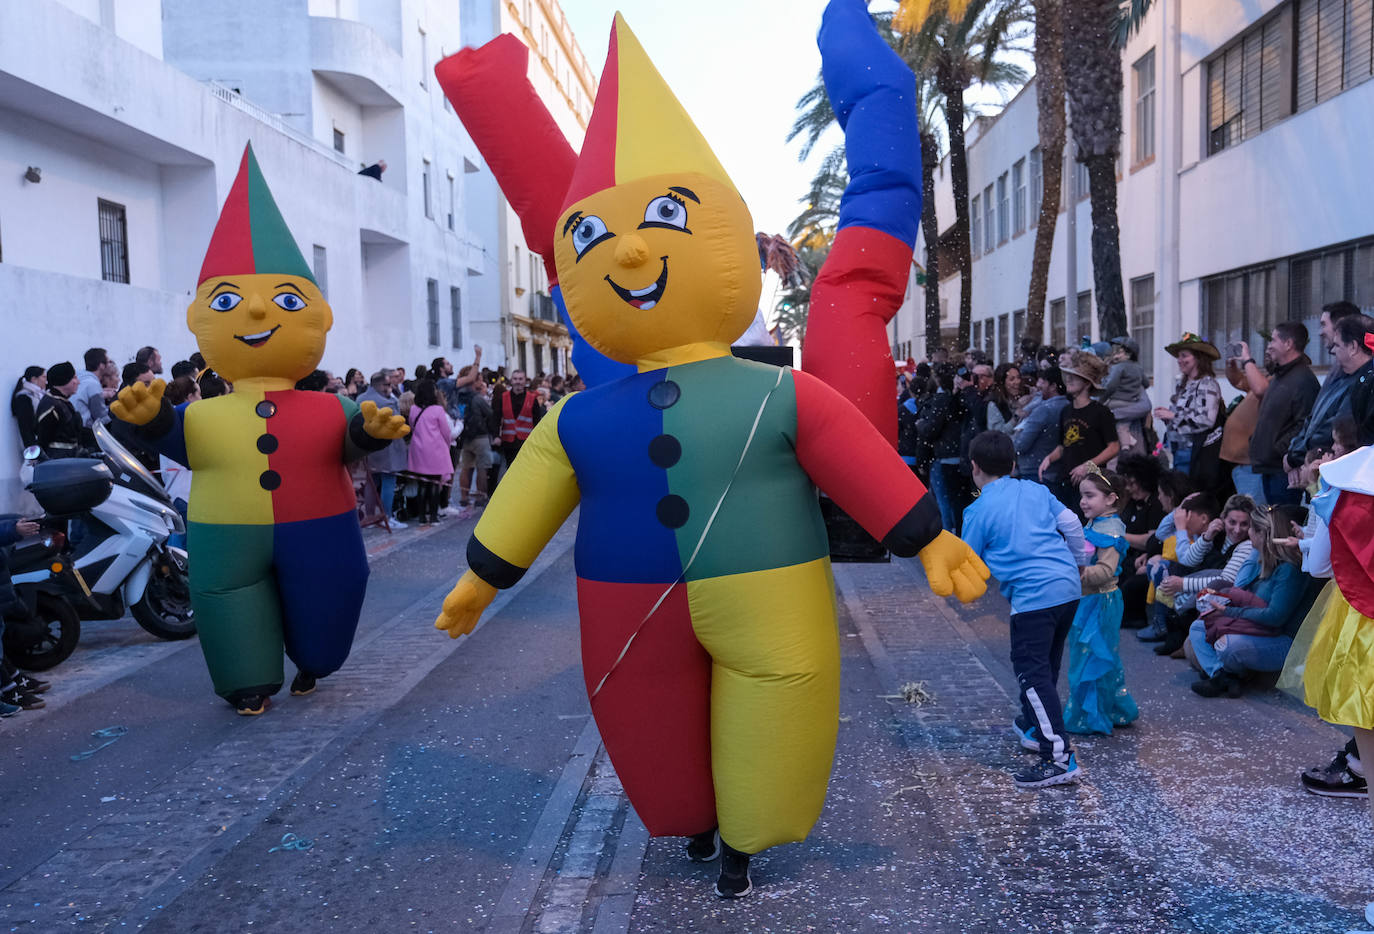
[288, 301]
[589, 231]
[225, 301]
[666, 211]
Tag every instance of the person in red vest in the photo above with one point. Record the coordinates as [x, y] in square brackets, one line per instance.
[520, 411]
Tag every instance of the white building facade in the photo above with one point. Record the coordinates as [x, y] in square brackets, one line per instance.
[1243, 187]
[133, 117]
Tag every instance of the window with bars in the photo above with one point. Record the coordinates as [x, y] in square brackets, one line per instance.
[1058, 324]
[1238, 305]
[1003, 209]
[1247, 85]
[1018, 185]
[1143, 319]
[976, 226]
[1343, 273]
[1144, 70]
[432, 296]
[114, 241]
[1084, 316]
[455, 315]
[1335, 48]
[989, 219]
[1037, 185]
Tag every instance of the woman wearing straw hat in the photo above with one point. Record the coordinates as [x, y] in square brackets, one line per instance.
[1191, 414]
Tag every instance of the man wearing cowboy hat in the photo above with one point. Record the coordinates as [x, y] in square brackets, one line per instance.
[1284, 406]
[1087, 429]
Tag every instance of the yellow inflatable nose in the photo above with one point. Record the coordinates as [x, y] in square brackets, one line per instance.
[257, 308]
[632, 251]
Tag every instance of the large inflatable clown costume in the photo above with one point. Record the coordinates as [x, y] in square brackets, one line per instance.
[277, 558]
[709, 642]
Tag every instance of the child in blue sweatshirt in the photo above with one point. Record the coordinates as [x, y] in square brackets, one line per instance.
[1034, 546]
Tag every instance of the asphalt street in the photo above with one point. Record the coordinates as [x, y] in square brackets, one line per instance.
[440, 785]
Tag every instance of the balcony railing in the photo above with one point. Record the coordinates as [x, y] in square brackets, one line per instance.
[544, 308]
[236, 100]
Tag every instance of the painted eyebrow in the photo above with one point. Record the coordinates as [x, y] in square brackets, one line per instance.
[288, 285]
[222, 285]
[686, 193]
[572, 221]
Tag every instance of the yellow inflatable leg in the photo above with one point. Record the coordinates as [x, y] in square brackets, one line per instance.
[775, 698]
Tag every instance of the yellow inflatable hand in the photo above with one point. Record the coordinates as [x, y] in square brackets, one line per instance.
[381, 424]
[952, 567]
[464, 605]
[139, 404]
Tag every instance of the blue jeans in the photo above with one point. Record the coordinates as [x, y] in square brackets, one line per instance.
[940, 485]
[1276, 491]
[1238, 654]
[1183, 459]
[387, 491]
[1248, 483]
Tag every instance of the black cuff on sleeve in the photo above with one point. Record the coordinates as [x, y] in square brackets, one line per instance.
[491, 567]
[915, 530]
[162, 423]
[361, 439]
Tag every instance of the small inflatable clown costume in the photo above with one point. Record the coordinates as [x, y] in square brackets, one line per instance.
[709, 641]
[276, 555]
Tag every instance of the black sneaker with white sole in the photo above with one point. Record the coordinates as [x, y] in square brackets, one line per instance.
[1336, 780]
[704, 847]
[302, 684]
[1047, 772]
[734, 879]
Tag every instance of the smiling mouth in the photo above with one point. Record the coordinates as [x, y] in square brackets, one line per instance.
[256, 340]
[647, 297]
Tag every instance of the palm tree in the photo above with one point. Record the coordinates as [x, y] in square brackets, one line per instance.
[1049, 96]
[963, 43]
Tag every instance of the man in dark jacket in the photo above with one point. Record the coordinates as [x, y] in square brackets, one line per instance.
[1284, 406]
[940, 425]
[479, 425]
[1354, 353]
[56, 422]
[1334, 395]
[390, 460]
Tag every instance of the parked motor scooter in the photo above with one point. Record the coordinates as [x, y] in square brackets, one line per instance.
[46, 631]
[117, 541]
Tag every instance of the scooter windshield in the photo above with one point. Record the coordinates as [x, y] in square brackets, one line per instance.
[127, 467]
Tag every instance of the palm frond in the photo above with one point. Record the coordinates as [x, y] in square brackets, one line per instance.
[1132, 13]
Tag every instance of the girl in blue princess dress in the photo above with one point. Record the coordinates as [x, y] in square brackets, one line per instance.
[1098, 699]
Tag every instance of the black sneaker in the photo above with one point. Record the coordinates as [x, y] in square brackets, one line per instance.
[18, 697]
[734, 873]
[704, 847]
[32, 685]
[253, 705]
[1223, 682]
[302, 684]
[1335, 780]
[1046, 773]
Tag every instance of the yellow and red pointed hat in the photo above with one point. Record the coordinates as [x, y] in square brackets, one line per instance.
[638, 127]
[251, 236]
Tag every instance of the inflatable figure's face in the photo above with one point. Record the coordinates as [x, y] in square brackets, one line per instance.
[260, 325]
[656, 263]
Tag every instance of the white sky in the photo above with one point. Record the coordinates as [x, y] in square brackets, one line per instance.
[738, 66]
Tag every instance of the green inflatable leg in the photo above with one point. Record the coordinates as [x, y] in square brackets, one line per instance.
[238, 614]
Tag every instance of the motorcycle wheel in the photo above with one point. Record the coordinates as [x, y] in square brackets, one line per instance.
[60, 630]
[165, 608]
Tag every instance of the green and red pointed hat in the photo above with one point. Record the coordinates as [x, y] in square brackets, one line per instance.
[251, 236]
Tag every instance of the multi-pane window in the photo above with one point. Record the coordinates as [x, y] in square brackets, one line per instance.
[1143, 319]
[1003, 209]
[977, 334]
[432, 297]
[1085, 316]
[1018, 185]
[1335, 48]
[455, 312]
[114, 241]
[1058, 325]
[426, 190]
[1145, 107]
[1247, 85]
[321, 270]
[976, 226]
[1037, 185]
[1344, 273]
[989, 219]
[1238, 305]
